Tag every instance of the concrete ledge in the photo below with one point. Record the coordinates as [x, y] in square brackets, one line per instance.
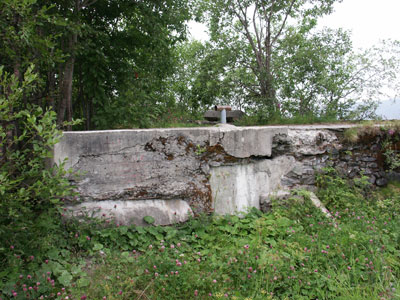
[133, 212]
[240, 142]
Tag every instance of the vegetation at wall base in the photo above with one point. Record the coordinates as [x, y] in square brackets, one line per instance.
[30, 193]
[293, 252]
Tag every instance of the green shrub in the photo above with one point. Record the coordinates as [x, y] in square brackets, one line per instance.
[30, 193]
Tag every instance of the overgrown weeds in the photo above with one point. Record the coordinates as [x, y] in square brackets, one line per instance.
[295, 252]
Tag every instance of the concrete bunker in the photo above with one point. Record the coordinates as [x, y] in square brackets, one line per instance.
[170, 174]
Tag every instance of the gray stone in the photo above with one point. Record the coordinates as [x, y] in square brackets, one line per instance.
[393, 176]
[276, 195]
[312, 142]
[317, 203]
[324, 158]
[366, 171]
[381, 182]
[372, 165]
[372, 179]
[368, 158]
[164, 212]
[353, 173]
[290, 181]
[377, 175]
[342, 165]
[333, 151]
[122, 165]
[298, 170]
[245, 142]
[382, 174]
[375, 148]
[347, 158]
[234, 188]
[308, 180]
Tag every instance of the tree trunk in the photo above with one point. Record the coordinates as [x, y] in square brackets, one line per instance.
[66, 85]
[88, 113]
[268, 89]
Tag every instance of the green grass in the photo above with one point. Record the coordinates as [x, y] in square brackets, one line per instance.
[295, 252]
[254, 120]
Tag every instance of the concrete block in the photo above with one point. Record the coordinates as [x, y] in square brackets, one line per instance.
[164, 212]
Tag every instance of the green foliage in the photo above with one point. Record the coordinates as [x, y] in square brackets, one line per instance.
[124, 61]
[294, 252]
[103, 61]
[200, 150]
[125, 64]
[277, 70]
[336, 191]
[392, 155]
[202, 77]
[255, 35]
[30, 193]
[149, 219]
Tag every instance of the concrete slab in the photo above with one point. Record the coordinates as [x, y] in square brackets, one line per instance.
[164, 212]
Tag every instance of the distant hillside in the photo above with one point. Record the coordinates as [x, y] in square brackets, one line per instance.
[389, 109]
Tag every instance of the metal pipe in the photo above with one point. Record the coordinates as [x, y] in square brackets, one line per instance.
[223, 116]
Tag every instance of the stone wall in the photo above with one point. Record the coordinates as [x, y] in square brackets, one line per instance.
[316, 149]
[170, 174]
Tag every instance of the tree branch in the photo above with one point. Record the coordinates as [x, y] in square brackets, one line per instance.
[284, 23]
[248, 35]
[256, 31]
[88, 3]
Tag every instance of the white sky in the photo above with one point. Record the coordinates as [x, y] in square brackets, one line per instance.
[369, 21]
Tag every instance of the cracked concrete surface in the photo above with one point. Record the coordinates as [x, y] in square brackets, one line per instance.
[157, 164]
[225, 168]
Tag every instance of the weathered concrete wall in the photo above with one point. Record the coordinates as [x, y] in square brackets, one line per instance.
[171, 173]
[237, 187]
[157, 164]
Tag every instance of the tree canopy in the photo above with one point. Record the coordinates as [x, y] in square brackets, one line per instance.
[271, 59]
[119, 63]
[92, 55]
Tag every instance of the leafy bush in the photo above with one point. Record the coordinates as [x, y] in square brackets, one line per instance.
[30, 193]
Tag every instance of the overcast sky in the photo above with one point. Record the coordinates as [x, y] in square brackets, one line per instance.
[369, 21]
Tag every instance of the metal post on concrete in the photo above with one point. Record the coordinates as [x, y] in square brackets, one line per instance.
[223, 110]
[223, 116]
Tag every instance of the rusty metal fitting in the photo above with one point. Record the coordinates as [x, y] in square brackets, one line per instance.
[222, 107]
